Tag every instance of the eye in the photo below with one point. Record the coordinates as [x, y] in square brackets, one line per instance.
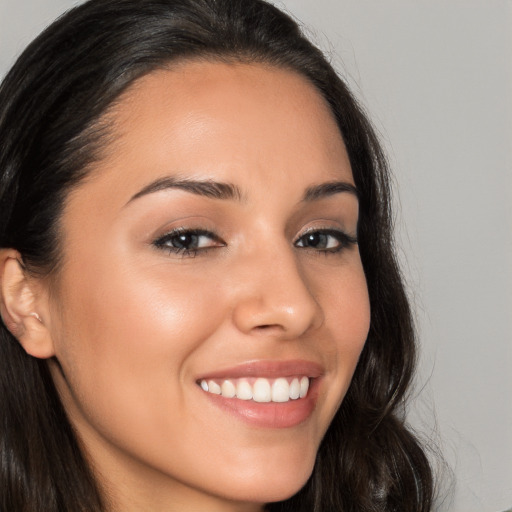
[188, 242]
[325, 240]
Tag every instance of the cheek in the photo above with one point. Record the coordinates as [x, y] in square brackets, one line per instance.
[353, 307]
[355, 303]
[345, 303]
[127, 337]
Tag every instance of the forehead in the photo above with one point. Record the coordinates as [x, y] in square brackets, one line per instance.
[223, 121]
[221, 89]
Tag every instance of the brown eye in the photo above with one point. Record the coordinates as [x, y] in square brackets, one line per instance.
[188, 242]
[319, 240]
[325, 240]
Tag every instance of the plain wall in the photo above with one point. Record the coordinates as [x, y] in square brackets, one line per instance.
[436, 77]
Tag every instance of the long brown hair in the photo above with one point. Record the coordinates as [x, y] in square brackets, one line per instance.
[51, 106]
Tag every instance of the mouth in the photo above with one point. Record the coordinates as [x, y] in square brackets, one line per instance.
[265, 394]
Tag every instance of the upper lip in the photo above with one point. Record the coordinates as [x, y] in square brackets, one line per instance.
[268, 369]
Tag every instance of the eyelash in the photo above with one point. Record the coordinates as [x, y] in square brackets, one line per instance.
[343, 241]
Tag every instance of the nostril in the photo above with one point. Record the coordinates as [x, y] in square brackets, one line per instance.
[269, 327]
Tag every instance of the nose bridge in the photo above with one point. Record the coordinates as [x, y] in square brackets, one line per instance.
[274, 294]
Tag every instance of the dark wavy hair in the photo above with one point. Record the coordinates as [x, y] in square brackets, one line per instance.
[52, 104]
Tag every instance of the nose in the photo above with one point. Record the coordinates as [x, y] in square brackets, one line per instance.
[274, 297]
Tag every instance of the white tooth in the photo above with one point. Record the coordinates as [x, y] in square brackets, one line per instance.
[213, 387]
[261, 391]
[204, 385]
[228, 389]
[304, 386]
[243, 390]
[295, 389]
[280, 390]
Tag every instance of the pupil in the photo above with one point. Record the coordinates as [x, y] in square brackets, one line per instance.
[185, 241]
[316, 239]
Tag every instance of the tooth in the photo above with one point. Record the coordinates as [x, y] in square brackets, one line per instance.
[243, 390]
[304, 386]
[228, 389]
[295, 389]
[213, 387]
[261, 391]
[280, 390]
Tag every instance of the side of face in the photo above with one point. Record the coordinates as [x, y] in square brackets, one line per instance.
[213, 243]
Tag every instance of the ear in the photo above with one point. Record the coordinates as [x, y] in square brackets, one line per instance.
[23, 306]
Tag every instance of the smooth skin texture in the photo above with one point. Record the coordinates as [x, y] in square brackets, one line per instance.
[134, 324]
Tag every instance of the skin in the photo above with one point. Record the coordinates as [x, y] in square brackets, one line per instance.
[133, 326]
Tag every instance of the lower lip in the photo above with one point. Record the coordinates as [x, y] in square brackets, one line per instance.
[269, 414]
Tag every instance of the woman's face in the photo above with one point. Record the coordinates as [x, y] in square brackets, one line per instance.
[211, 250]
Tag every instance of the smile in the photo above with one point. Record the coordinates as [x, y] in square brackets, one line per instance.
[265, 394]
[262, 390]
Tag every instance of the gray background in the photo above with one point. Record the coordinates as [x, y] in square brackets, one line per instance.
[436, 76]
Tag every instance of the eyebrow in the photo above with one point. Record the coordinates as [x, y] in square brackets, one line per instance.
[316, 192]
[219, 190]
[206, 188]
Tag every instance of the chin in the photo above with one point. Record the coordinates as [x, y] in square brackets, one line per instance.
[273, 485]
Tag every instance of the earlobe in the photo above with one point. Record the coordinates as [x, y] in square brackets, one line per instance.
[20, 305]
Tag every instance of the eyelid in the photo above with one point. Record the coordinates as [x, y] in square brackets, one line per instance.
[186, 230]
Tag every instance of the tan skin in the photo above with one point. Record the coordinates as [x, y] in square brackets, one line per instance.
[134, 322]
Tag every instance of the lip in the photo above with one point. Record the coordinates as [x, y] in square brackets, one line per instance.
[270, 415]
[268, 370]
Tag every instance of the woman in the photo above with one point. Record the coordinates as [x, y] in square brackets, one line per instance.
[200, 301]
